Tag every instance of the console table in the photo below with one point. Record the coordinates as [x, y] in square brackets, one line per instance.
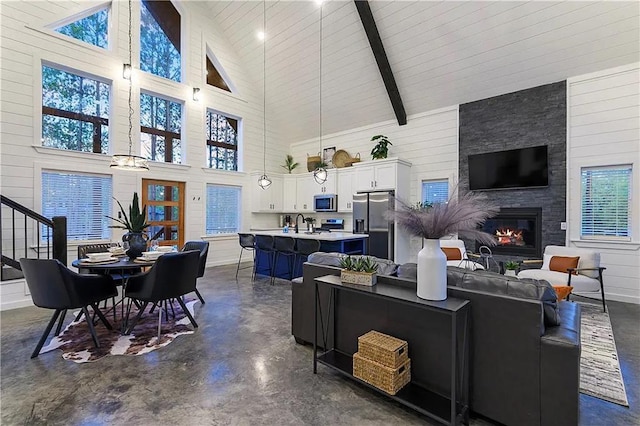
[450, 409]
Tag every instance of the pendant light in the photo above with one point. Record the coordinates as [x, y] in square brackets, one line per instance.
[263, 181]
[320, 173]
[129, 161]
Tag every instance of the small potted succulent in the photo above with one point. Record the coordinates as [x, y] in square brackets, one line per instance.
[359, 270]
[510, 268]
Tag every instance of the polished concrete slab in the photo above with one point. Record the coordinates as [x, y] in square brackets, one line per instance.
[242, 367]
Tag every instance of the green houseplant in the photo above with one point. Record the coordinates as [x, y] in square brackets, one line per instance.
[511, 267]
[359, 270]
[381, 150]
[289, 164]
[136, 223]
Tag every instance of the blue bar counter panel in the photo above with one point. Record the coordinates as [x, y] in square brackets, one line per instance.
[330, 242]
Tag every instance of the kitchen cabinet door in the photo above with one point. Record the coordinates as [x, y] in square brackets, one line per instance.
[276, 194]
[364, 178]
[329, 187]
[306, 189]
[289, 193]
[346, 188]
[266, 200]
[385, 176]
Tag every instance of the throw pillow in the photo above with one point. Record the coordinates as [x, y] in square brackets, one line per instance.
[562, 291]
[562, 263]
[452, 253]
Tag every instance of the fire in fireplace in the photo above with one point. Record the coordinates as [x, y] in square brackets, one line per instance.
[518, 231]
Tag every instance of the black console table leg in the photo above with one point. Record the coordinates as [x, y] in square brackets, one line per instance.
[315, 329]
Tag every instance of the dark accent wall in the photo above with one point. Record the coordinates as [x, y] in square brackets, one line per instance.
[531, 117]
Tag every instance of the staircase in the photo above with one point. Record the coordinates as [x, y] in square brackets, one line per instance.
[25, 233]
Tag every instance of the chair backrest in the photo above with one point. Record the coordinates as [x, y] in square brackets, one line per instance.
[307, 246]
[264, 242]
[173, 275]
[92, 248]
[247, 241]
[46, 283]
[588, 258]
[459, 244]
[284, 244]
[203, 248]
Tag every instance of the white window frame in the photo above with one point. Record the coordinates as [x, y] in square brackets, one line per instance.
[238, 209]
[183, 123]
[240, 133]
[630, 214]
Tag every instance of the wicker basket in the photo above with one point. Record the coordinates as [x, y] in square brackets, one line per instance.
[353, 160]
[313, 161]
[383, 349]
[389, 380]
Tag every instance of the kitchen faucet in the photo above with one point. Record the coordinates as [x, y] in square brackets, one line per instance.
[299, 214]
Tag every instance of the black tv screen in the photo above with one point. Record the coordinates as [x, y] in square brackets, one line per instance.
[515, 168]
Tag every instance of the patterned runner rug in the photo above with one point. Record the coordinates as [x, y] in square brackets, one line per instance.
[77, 346]
[600, 374]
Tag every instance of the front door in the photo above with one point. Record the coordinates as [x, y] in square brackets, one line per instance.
[165, 210]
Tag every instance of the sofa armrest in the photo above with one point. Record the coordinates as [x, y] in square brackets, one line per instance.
[560, 368]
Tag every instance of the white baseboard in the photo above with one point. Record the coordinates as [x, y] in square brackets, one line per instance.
[611, 296]
[15, 304]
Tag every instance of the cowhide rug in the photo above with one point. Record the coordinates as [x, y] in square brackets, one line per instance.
[77, 345]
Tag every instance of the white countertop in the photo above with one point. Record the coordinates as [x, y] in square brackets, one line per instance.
[323, 236]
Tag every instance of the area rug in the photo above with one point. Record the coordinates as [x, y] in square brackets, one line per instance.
[600, 374]
[77, 345]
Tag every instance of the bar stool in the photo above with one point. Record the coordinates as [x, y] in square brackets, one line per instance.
[264, 243]
[304, 248]
[284, 246]
[247, 242]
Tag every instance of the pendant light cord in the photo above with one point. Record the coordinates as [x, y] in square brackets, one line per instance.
[321, 158]
[130, 85]
[264, 86]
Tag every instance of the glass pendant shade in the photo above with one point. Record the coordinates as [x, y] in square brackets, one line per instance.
[320, 175]
[264, 182]
[129, 163]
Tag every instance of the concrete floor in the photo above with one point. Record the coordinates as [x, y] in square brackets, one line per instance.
[242, 367]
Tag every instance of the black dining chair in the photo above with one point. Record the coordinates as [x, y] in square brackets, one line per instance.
[203, 248]
[304, 247]
[247, 242]
[264, 243]
[173, 275]
[284, 246]
[54, 286]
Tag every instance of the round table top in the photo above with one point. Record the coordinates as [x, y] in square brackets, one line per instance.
[121, 263]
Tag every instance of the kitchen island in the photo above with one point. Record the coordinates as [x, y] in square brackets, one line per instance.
[335, 241]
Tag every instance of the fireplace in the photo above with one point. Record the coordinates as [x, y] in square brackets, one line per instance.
[518, 232]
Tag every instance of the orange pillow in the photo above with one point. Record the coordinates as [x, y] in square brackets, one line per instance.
[562, 263]
[452, 253]
[562, 291]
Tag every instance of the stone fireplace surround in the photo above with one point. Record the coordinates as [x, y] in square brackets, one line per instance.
[522, 119]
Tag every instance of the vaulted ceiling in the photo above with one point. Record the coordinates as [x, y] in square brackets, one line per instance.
[441, 53]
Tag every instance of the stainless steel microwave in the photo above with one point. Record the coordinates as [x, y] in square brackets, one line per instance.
[325, 203]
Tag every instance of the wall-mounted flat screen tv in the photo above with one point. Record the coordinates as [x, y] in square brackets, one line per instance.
[515, 168]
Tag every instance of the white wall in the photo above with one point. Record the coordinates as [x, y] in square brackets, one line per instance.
[429, 141]
[26, 43]
[603, 128]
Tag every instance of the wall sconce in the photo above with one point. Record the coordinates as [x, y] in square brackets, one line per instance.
[197, 95]
[126, 71]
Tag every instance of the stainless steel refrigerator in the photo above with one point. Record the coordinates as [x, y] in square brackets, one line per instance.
[369, 209]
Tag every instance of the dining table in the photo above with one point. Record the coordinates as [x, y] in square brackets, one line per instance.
[121, 266]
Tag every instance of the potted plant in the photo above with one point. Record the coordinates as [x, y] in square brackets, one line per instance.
[310, 221]
[460, 215]
[360, 270]
[135, 222]
[381, 150]
[289, 164]
[510, 268]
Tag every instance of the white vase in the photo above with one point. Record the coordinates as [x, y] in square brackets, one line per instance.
[509, 272]
[432, 272]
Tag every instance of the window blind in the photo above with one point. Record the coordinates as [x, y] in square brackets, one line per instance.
[435, 191]
[223, 209]
[606, 201]
[85, 200]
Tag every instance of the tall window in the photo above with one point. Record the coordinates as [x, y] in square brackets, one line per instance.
[160, 129]
[160, 39]
[222, 142]
[92, 29]
[435, 191]
[75, 112]
[606, 202]
[223, 209]
[85, 199]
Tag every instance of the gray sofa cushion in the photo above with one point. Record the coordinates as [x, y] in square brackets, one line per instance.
[491, 282]
[385, 266]
[408, 271]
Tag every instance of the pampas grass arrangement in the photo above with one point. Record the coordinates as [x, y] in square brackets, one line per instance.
[462, 215]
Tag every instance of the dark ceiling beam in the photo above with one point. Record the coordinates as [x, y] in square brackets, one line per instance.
[371, 30]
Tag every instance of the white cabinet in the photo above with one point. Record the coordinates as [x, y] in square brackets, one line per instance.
[330, 186]
[289, 193]
[383, 175]
[346, 188]
[305, 192]
[266, 200]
